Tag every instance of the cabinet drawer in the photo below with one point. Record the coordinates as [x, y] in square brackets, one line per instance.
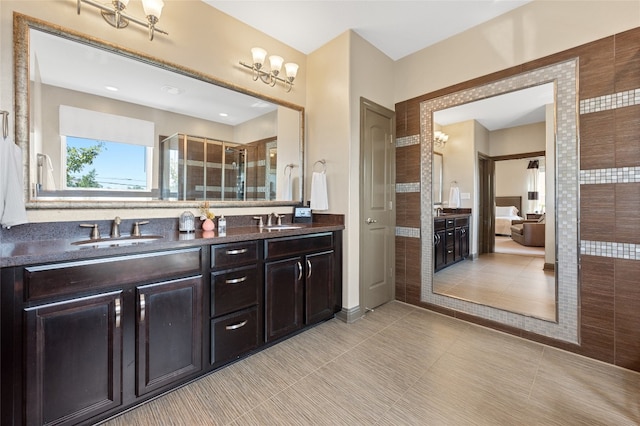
[234, 289]
[279, 247]
[462, 221]
[450, 223]
[90, 275]
[234, 335]
[236, 254]
[439, 224]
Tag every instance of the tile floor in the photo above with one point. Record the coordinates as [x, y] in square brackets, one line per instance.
[402, 365]
[511, 282]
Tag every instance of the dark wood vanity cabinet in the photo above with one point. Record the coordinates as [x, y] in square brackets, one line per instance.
[236, 294]
[299, 283]
[451, 241]
[100, 334]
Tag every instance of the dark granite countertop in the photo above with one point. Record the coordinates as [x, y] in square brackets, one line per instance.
[29, 252]
[451, 215]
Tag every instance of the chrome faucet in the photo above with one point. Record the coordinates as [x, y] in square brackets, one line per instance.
[135, 232]
[278, 219]
[438, 211]
[115, 227]
[260, 221]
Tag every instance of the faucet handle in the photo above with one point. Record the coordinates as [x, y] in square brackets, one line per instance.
[95, 232]
[136, 228]
[115, 227]
[260, 221]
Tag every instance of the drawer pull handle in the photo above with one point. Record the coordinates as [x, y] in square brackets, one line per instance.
[143, 305]
[238, 251]
[449, 251]
[237, 326]
[308, 269]
[299, 271]
[236, 280]
[118, 312]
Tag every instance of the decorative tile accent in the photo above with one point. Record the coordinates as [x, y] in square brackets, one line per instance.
[610, 249]
[614, 175]
[607, 102]
[408, 140]
[408, 187]
[402, 231]
[564, 76]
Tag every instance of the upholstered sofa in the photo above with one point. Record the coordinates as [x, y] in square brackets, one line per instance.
[528, 232]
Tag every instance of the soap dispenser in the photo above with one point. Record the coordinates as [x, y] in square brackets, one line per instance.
[222, 225]
[187, 222]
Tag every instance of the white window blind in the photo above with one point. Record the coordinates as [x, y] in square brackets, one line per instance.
[84, 123]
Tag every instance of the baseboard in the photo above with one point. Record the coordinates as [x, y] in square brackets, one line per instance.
[549, 267]
[349, 315]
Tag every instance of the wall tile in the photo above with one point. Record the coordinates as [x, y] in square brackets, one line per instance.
[401, 208]
[627, 328]
[400, 271]
[627, 208]
[597, 301]
[627, 136]
[412, 164]
[413, 118]
[597, 203]
[597, 68]
[597, 140]
[627, 65]
[596, 343]
[401, 119]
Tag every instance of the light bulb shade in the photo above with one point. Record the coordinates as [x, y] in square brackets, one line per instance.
[153, 7]
[276, 63]
[258, 55]
[291, 69]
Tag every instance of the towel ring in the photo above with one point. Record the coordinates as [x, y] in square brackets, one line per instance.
[324, 165]
[288, 167]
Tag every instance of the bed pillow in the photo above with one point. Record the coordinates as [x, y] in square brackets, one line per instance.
[506, 211]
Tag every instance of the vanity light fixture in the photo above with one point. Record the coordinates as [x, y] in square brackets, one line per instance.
[115, 15]
[275, 62]
[440, 138]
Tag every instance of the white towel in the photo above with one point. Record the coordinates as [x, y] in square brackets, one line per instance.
[287, 192]
[49, 184]
[319, 200]
[12, 210]
[454, 197]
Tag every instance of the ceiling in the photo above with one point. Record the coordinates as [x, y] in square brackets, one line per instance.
[396, 27]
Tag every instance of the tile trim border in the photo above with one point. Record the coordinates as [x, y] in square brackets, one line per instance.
[614, 250]
[609, 102]
[405, 231]
[612, 175]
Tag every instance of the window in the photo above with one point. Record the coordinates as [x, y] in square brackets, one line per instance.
[95, 164]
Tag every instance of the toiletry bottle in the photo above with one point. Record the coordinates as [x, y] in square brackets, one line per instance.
[222, 225]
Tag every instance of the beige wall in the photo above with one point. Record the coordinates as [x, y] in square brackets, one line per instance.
[532, 31]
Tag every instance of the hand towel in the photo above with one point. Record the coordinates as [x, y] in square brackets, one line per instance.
[319, 199]
[49, 184]
[12, 210]
[287, 193]
[454, 197]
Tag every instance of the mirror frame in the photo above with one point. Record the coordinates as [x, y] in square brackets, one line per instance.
[439, 171]
[564, 75]
[22, 24]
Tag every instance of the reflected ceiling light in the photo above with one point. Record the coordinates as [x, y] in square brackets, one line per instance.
[116, 17]
[171, 90]
[275, 63]
[111, 88]
[440, 138]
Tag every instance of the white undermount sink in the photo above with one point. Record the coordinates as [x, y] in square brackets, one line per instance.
[117, 242]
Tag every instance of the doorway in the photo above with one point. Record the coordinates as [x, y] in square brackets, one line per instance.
[377, 204]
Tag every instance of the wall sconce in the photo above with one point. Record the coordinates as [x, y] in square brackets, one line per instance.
[116, 17]
[271, 77]
[440, 138]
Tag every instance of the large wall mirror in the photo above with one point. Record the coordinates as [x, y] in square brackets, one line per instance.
[478, 131]
[108, 127]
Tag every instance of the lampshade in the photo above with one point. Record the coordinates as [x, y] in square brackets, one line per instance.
[276, 62]
[124, 2]
[153, 7]
[258, 55]
[291, 69]
[532, 195]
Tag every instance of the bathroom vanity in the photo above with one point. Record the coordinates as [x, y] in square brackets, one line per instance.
[450, 239]
[92, 331]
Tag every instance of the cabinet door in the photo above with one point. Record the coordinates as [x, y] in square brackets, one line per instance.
[449, 255]
[464, 242]
[73, 359]
[318, 288]
[283, 297]
[169, 332]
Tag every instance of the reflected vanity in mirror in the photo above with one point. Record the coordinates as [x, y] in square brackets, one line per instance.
[474, 138]
[128, 130]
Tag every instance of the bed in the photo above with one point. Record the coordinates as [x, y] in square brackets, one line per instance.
[507, 209]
